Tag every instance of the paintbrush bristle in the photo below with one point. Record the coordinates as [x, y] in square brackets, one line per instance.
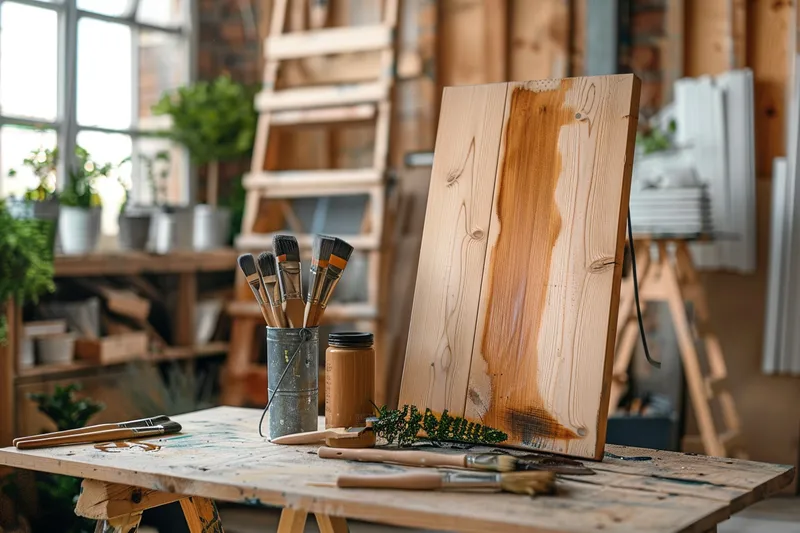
[342, 250]
[286, 248]
[248, 264]
[492, 462]
[171, 427]
[528, 482]
[322, 249]
[266, 264]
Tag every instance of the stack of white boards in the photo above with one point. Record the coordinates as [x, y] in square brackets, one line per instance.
[679, 212]
[715, 122]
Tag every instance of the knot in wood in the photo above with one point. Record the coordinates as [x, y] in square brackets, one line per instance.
[602, 264]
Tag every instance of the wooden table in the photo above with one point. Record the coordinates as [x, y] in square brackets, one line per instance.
[219, 456]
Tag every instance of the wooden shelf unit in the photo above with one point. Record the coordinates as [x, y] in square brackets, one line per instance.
[186, 265]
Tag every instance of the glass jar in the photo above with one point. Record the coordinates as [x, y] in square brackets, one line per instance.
[349, 379]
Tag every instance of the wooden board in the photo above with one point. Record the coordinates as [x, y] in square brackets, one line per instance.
[219, 455]
[515, 305]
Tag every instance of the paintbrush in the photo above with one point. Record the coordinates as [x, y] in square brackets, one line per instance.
[287, 255]
[320, 255]
[311, 437]
[488, 462]
[336, 264]
[101, 436]
[248, 265]
[517, 482]
[142, 422]
[272, 290]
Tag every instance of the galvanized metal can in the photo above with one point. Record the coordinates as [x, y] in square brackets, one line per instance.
[294, 406]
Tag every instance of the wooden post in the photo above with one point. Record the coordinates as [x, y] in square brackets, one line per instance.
[292, 521]
[8, 359]
[201, 515]
[331, 524]
[187, 300]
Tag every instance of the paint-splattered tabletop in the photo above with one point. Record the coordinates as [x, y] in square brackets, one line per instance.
[219, 455]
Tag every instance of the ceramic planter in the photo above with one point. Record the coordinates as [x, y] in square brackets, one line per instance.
[134, 228]
[78, 229]
[58, 349]
[171, 229]
[212, 227]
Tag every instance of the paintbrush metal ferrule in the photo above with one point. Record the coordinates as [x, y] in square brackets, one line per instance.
[471, 480]
[289, 276]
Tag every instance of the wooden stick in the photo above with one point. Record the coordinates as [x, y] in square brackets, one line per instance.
[95, 436]
[410, 458]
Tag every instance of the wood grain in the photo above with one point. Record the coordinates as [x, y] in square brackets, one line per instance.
[539, 39]
[219, 455]
[544, 346]
[453, 247]
[201, 515]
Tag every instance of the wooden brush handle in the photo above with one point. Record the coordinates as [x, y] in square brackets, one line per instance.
[82, 438]
[295, 309]
[66, 432]
[410, 481]
[309, 437]
[409, 458]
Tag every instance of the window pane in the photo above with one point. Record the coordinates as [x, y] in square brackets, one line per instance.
[162, 66]
[29, 64]
[161, 12]
[109, 148]
[158, 179]
[104, 74]
[105, 7]
[16, 145]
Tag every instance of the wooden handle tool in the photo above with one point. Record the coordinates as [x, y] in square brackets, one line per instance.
[517, 482]
[411, 481]
[142, 422]
[312, 437]
[100, 436]
[408, 458]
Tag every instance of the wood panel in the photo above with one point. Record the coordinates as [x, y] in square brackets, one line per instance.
[660, 491]
[454, 247]
[539, 39]
[540, 361]
[769, 55]
[707, 47]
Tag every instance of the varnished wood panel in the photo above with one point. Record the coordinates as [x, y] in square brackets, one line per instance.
[539, 365]
[453, 247]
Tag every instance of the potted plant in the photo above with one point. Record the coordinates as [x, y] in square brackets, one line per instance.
[41, 202]
[26, 261]
[216, 122]
[137, 222]
[79, 217]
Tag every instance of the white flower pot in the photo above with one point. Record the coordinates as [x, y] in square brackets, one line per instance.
[78, 229]
[212, 226]
[134, 229]
[171, 230]
[58, 349]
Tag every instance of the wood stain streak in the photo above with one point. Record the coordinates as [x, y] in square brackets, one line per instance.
[530, 223]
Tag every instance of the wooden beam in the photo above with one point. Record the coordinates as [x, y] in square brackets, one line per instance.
[539, 39]
[201, 515]
[707, 44]
[100, 501]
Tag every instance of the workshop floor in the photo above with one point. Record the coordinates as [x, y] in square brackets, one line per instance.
[776, 515]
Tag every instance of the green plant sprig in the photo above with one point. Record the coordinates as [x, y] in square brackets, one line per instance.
[404, 425]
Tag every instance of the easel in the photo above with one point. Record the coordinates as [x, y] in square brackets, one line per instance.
[345, 102]
[673, 279]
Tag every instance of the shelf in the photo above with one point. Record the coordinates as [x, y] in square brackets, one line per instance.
[131, 263]
[172, 353]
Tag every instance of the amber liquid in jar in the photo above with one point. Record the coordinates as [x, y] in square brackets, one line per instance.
[349, 380]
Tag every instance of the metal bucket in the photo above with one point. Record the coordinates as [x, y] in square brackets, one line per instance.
[293, 384]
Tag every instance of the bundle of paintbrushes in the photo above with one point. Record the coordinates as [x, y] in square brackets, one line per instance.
[276, 281]
[134, 429]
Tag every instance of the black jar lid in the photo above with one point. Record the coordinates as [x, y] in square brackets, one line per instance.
[350, 339]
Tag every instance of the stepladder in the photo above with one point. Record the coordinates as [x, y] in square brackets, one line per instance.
[666, 274]
[353, 93]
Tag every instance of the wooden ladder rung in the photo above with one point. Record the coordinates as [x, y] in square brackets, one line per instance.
[323, 115]
[731, 439]
[263, 241]
[314, 183]
[328, 41]
[715, 385]
[333, 313]
[325, 96]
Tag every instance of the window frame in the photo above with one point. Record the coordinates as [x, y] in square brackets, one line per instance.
[66, 125]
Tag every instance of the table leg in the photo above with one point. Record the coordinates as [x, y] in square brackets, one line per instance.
[331, 524]
[201, 515]
[128, 523]
[292, 521]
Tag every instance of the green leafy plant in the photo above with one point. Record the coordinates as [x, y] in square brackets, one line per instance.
[653, 139]
[79, 190]
[215, 120]
[26, 261]
[404, 425]
[156, 170]
[50, 502]
[43, 163]
[65, 409]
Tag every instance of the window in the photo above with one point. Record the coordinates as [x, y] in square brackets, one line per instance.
[87, 72]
